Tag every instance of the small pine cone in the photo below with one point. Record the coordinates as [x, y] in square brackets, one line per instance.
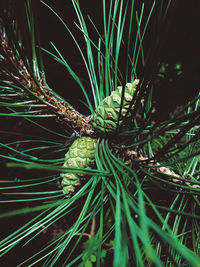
[106, 115]
[80, 156]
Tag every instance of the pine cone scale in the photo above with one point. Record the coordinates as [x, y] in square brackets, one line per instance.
[80, 156]
[106, 116]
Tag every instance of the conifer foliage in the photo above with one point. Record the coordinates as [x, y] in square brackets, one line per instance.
[101, 180]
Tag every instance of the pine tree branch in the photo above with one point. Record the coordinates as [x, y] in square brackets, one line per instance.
[14, 72]
[132, 156]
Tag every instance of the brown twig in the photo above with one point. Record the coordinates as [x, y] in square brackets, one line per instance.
[38, 88]
[134, 156]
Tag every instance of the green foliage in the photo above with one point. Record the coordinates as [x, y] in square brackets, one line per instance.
[91, 253]
[139, 203]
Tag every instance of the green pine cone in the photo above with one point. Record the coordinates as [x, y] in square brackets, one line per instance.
[80, 156]
[106, 115]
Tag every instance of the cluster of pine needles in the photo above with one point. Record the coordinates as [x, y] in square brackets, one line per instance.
[138, 205]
